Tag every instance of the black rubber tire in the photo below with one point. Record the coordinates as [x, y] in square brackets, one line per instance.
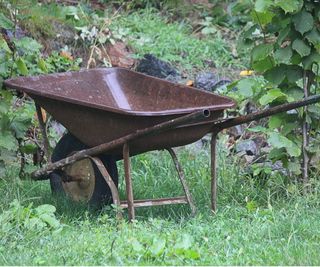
[102, 193]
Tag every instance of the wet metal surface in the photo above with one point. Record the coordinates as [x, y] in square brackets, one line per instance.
[100, 105]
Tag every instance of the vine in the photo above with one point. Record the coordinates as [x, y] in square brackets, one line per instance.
[284, 40]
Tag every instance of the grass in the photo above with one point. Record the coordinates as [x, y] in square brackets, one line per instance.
[149, 32]
[279, 229]
[258, 222]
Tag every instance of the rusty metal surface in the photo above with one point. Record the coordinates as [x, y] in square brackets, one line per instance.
[101, 105]
[128, 179]
[156, 202]
[183, 181]
[107, 147]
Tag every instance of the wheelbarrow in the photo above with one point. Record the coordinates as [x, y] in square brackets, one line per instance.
[115, 113]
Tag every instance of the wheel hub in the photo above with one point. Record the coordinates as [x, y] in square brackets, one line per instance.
[82, 174]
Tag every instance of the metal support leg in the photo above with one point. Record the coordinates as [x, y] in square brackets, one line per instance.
[213, 172]
[183, 180]
[44, 133]
[127, 172]
[110, 183]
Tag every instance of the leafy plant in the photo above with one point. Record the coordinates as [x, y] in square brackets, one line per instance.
[285, 40]
[22, 56]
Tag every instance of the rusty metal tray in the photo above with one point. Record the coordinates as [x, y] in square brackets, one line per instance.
[101, 105]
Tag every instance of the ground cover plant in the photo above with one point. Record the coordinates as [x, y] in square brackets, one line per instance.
[265, 216]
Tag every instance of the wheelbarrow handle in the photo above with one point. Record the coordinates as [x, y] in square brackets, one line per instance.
[227, 123]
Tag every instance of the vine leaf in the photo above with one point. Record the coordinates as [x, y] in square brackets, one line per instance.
[303, 21]
[279, 141]
[283, 55]
[7, 141]
[247, 87]
[260, 57]
[261, 51]
[293, 73]
[299, 46]
[272, 95]
[262, 18]
[289, 5]
[262, 5]
[314, 38]
[275, 75]
[308, 61]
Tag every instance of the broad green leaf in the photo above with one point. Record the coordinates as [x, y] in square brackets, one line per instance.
[303, 21]
[288, 127]
[21, 65]
[277, 154]
[20, 125]
[46, 208]
[289, 6]
[5, 23]
[72, 12]
[29, 148]
[296, 58]
[283, 34]
[4, 106]
[263, 65]
[271, 95]
[8, 141]
[308, 61]
[301, 47]
[279, 141]
[294, 167]
[261, 52]
[293, 73]
[262, 18]
[262, 5]
[296, 93]
[294, 150]
[275, 75]
[275, 121]
[246, 87]
[283, 55]
[50, 220]
[314, 38]
[157, 246]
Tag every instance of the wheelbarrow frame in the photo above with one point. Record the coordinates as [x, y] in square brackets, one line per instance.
[124, 142]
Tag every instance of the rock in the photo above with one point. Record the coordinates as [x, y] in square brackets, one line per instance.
[236, 131]
[248, 146]
[209, 81]
[120, 55]
[18, 34]
[153, 66]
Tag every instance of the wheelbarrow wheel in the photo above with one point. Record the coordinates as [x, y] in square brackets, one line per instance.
[90, 185]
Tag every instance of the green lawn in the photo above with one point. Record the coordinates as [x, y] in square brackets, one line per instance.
[255, 224]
